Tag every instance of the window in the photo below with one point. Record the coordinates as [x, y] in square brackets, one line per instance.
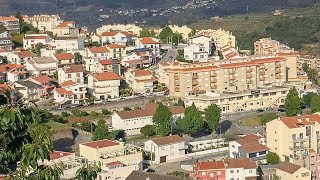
[219, 172]
[231, 171]
[262, 153]
[203, 173]
[172, 146]
[250, 171]
[304, 174]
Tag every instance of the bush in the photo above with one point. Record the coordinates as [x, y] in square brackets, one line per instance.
[87, 126]
[93, 113]
[60, 119]
[126, 108]
[273, 158]
[83, 113]
[76, 112]
[64, 114]
[105, 112]
[265, 118]
[148, 130]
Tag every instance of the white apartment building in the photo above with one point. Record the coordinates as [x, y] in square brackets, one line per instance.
[42, 66]
[104, 85]
[69, 42]
[71, 73]
[114, 37]
[29, 90]
[70, 91]
[43, 22]
[117, 51]
[5, 41]
[13, 72]
[20, 57]
[206, 42]
[234, 101]
[132, 121]
[166, 148]
[196, 53]
[11, 23]
[241, 168]
[141, 81]
[31, 40]
[149, 42]
[64, 59]
[98, 52]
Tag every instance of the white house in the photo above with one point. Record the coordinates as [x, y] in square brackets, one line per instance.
[141, 81]
[73, 73]
[240, 168]
[31, 40]
[98, 52]
[69, 42]
[115, 37]
[104, 85]
[29, 90]
[117, 51]
[132, 121]
[13, 72]
[149, 42]
[206, 41]
[166, 148]
[20, 57]
[195, 53]
[64, 59]
[42, 66]
[77, 95]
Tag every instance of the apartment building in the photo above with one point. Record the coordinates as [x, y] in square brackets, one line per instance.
[141, 81]
[220, 37]
[209, 170]
[296, 139]
[10, 23]
[163, 68]
[66, 28]
[71, 73]
[228, 52]
[270, 46]
[195, 53]
[166, 148]
[5, 41]
[104, 85]
[132, 121]
[42, 66]
[69, 42]
[251, 146]
[114, 37]
[312, 62]
[289, 171]
[31, 40]
[13, 72]
[64, 59]
[207, 43]
[117, 51]
[226, 75]
[43, 22]
[148, 42]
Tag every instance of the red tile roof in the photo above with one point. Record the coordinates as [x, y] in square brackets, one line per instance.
[245, 163]
[100, 144]
[125, 33]
[24, 54]
[64, 56]
[115, 163]
[111, 33]
[105, 62]
[73, 68]
[138, 73]
[300, 121]
[288, 167]
[112, 46]
[4, 87]
[42, 79]
[167, 140]
[58, 154]
[65, 24]
[149, 40]
[98, 50]
[106, 76]
[8, 18]
[68, 83]
[254, 148]
[200, 166]
[63, 91]
[9, 67]
[35, 37]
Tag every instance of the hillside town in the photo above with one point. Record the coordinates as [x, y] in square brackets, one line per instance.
[153, 104]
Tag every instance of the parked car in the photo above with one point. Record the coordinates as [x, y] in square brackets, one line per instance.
[281, 106]
[281, 110]
[260, 110]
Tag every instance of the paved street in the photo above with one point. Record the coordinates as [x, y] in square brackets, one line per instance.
[167, 57]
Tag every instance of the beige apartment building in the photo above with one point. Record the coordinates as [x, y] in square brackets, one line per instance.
[220, 37]
[270, 46]
[226, 75]
[296, 139]
[235, 101]
[313, 63]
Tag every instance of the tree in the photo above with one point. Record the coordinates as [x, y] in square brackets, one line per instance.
[192, 121]
[147, 130]
[101, 131]
[37, 49]
[213, 116]
[59, 51]
[231, 137]
[78, 58]
[147, 33]
[273, 158]
[53, 36]
[192, 33]
[305, 67]
[306, 99]
[315, 104]
[162, 120]
[17, 39]
[105, 112]
[126, 108]
[88, 172]
[2, 28]
[165, 34]
[180, 102]
[292, 103]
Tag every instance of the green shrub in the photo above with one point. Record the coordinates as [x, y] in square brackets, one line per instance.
[105, 112]
[76, 112]
[84, 113]
[93, 113]
[64, 114]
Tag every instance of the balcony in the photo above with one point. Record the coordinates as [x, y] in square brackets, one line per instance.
[232, 77]
[195, 88]
[214, 86]
[262, 78]
[213, 74]
[249, 70]
[318, 136]
[278, 64]
[176, 83]
[232, 71]
[249, 81]
[232, 83]
[177, 89]
[176, 77]
[195, 82]
[278, 76]
[213, 80]
[249, 75]
[195, 76]
[298, 147]
[262, 72]
[300, 139]
[278, 70]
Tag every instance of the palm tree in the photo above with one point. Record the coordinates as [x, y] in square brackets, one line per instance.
[88, 172]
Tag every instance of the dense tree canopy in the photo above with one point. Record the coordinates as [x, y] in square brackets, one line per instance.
[192, 121]
[147, 130]
[293, 104]
[213, 115]
[162, 120]
[273, 158]
[147, 33]
[101, 131]
[315, 104]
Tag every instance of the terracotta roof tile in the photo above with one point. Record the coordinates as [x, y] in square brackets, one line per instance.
[58, 154]
[35, 37]
[112, 46]
[100, 144]
[167, 140]
[254, 148]
[63, 91]
[111, 33]
[138, 73]
[73, 68]
[300, 121]
[99, 50]
[65, 24]
[68, 83]
[9, 67]
[115, 163]
[64, 56]
[288, 167]
[24, 54]
[8, 18]
[106, 76]
[209, 165]
[245, 163]
[42, 79]
[149, 40]
[106, 62]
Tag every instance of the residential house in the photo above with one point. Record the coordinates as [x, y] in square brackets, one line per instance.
[117, 51]
[132, 121]
[98, 52]
[229, 52]
[139, 175]
[64, 59]
[146, 55]
[5, 41]
[44, 81]
[296, 139]
[11, 23]
[206, 43]
[44, 22]
[132, 61]
[42, 66]
[29, 90]
[195, 53]
[4, 88]
[270, 46]
[151, 43]
[13, 72]
[104, 85]
[289, 171]
[20, 57]
[240, 168]
[141, 81]
[209, 170]
[166, 148]
[251, 146]
[115, 37]
[58, 157]
[69, 42]
[66, 28]
[103, 66]
[70, 91]
[31, 40]
[74, 72]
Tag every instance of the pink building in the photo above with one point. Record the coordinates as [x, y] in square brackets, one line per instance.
[213, 170]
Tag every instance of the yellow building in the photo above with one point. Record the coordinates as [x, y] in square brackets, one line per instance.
[220, 37]
[270, 46]
[296, 139]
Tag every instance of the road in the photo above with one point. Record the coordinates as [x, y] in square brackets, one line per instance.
[166, 58]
